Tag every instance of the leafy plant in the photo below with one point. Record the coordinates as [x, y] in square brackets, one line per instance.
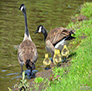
[9, 89]
[39, 80]
[23, 84]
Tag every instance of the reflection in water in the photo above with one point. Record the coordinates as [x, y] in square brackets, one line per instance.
[49, 13]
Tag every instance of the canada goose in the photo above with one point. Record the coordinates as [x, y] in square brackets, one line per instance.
[27, 52]
[56, 38]
[46, 61]
[57, 57]
[64, 53]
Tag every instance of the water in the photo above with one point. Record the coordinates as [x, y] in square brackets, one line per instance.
[49, 13]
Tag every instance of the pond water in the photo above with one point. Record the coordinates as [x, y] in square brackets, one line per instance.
[49, 13]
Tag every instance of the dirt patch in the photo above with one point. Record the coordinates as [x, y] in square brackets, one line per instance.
[45, 74]
[79, 18]
[83, 37]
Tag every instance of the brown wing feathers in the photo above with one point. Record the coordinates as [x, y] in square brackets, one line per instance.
[58, 34]
[26, 51]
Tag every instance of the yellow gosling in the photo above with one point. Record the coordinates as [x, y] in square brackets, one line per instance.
[64, 53]
[57, 57]
[46, 61]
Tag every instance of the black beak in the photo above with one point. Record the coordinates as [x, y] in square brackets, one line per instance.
[36, 32]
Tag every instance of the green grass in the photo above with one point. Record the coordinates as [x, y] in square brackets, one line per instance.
[39, 80]
[87, 9]
[78, 76]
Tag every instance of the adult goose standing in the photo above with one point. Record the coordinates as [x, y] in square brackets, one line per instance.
[27, 52]
[56, 38]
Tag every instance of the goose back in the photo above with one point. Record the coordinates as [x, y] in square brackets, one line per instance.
[57, 34]
[27, 51]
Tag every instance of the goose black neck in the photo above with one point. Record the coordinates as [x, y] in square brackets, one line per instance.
[45, 33]
[26, 28]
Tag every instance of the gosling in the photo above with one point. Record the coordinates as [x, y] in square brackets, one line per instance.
[64, 53]
[57, 57]
[46, 61]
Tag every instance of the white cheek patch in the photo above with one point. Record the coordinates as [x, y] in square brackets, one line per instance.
[40, 29]
[21, 8]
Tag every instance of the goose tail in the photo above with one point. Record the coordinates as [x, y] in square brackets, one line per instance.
[72, 31]
[30, 65]
[70, 37]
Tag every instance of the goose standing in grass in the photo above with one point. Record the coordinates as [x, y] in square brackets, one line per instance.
[27, 52]
[56, 38]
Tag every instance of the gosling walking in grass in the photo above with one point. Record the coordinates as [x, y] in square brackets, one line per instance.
[46, 62]
[57, 57]
[64, 53]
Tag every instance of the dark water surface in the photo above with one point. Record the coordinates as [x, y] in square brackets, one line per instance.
[49, 13]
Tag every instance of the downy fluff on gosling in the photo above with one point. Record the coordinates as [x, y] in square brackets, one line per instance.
[64, 53]
[57, 57]
[46, 61]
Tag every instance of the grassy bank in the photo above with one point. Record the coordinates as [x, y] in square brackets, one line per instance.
[79, 75]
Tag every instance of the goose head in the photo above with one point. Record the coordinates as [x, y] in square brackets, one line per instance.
[41, 29]
[22, 8]
[46, 55]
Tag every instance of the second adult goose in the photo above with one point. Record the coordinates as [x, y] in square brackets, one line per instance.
[56, 38]
[27, 52]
